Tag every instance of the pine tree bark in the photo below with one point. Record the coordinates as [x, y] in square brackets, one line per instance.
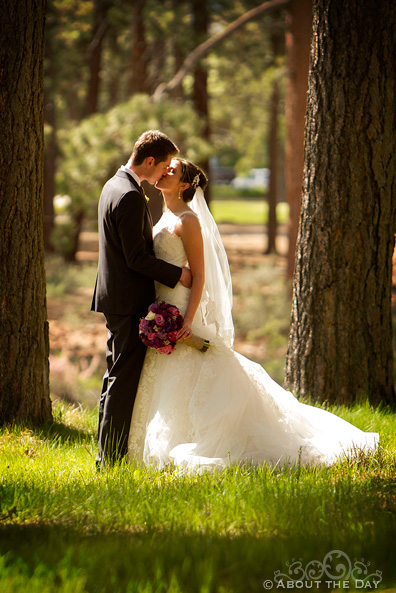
[95, 55]
[277, 42]
[138, 79]
[298, 44]
[50, 153]
[200, 95]
[114, 74]
[274, 167]
[24, 384]
[340, 346]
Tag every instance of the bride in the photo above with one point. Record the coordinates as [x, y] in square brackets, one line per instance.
[206, 409]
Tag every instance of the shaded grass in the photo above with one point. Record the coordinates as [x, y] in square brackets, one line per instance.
[65, 278]
[67, 528]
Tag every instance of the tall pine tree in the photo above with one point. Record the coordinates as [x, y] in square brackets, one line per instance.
[340, 345]
[24, 384]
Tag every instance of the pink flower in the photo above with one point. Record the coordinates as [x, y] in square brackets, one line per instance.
[151, 336]
[173, 310]
[159, 320]
[172, 336]
[165, 349]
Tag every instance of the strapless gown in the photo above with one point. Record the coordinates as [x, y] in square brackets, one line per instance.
[204, 411]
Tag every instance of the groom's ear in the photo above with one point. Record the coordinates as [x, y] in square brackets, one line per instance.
[149, 161]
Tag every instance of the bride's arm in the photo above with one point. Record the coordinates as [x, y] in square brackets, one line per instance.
[189, 230]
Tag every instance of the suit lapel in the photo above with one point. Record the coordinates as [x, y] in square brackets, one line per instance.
[135, 184]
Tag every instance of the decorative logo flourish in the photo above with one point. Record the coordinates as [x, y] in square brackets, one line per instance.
[336, 566]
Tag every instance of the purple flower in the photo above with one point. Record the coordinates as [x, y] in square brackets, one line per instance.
[144, 325]
[168, 325]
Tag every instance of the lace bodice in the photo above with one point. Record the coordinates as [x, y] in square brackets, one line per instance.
[169, 247]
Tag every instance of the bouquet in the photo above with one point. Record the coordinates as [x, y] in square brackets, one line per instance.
[159, 329]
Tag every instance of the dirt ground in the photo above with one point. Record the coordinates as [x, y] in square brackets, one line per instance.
[78, 337]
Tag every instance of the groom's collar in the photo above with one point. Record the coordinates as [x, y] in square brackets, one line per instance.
[131, 173]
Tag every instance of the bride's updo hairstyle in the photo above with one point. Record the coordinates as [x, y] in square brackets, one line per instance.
[194, 176]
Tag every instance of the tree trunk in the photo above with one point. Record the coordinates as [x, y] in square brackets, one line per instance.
[50, 149]
[95, 56]
[138, 78]
[24, 369]
[178, 50]
[277, 41]
[113, 90]
[274, 169]
[298, 43]
[200, 90]
[340, 346]
[49, 169]
[75, 232]
[49, 178]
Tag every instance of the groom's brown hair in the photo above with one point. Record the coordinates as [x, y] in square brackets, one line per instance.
[153, 143]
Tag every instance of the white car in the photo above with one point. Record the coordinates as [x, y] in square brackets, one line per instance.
[255, 178]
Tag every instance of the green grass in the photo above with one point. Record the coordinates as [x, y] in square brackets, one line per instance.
[66, 528]
[229, 192]
[65, 278]
[246, 211]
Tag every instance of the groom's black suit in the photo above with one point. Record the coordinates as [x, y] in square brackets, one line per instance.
[124, 289]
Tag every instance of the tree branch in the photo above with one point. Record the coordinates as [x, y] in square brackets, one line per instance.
[202, 49]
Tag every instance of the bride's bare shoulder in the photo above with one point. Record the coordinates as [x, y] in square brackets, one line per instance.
[186, 212]
[187, 222]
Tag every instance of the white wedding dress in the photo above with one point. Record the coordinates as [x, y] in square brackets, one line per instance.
[202, 411]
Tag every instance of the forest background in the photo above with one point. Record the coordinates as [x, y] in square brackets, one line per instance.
[104, 62]
[338, 161]
[114, 69]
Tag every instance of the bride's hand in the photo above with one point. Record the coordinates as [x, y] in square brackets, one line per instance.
[186, 277]
[185, 332]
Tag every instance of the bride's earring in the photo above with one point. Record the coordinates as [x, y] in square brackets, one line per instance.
[180, 195]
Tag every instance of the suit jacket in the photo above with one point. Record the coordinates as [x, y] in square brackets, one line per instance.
[127, 266]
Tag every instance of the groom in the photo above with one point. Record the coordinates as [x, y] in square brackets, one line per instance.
[124, 287]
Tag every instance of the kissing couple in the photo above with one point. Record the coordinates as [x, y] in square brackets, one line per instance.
[198, 409]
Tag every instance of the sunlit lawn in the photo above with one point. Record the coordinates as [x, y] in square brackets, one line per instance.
[66, 528]
[246, 211]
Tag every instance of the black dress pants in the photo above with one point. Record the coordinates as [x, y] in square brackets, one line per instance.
[124, 356]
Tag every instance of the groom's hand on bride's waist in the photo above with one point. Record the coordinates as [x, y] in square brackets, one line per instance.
[186, 277]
